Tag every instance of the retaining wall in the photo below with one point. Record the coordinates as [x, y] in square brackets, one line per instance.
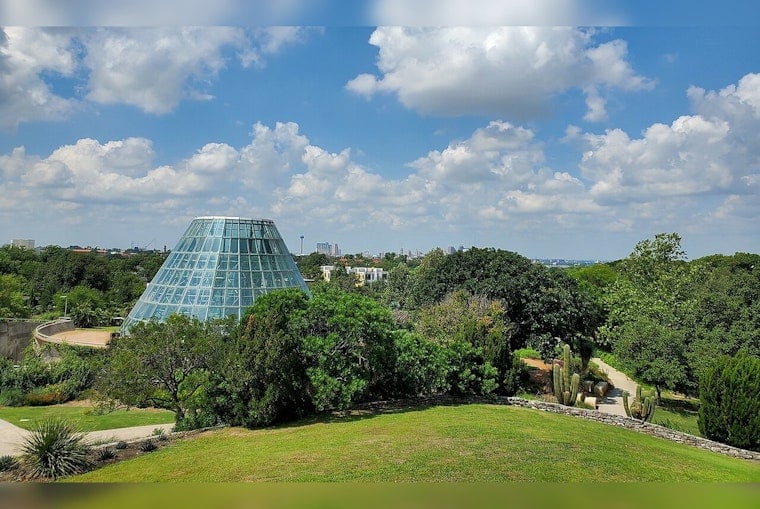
[636, 425]
[15, 336]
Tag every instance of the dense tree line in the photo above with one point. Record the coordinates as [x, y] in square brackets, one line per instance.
[447, 324]
[96, 287]
[668, 319]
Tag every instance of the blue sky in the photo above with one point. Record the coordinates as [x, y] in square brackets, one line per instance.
[552, 142]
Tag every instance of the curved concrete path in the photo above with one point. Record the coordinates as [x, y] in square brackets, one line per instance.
[12, 437]
[613, 402]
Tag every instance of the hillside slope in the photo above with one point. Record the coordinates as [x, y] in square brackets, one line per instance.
[476, 442]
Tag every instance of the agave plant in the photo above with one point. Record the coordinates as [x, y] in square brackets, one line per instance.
[55, 449]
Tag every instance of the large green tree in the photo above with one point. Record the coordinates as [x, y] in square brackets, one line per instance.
[261, 379]
[650, 312]
[165, 364]
[12, 299]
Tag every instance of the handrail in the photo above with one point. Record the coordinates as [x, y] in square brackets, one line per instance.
[40, 336]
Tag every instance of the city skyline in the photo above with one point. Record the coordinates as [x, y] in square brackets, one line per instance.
[550, 141]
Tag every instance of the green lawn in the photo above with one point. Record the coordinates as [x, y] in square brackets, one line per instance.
[678, 413]
[83, 416]
[476, 442]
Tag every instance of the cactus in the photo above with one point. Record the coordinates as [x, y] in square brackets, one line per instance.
[642, 407]
[565, 384]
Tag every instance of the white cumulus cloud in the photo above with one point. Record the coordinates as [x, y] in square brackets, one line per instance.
[506, 71]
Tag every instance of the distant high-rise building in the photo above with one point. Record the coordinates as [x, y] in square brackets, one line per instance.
[25, 243]
[328, 249]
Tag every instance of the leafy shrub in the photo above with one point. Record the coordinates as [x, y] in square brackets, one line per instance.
[11, 397]
[421, 365]
[729, 409]
[54, 449]
[7, 463]
[48, 395]
[121, 444]
[148, 446]
[105, 454]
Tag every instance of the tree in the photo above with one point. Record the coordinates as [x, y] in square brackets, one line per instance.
[349, 347]
[650, 308]
[262, 379]
[729, 410]
[164, 364]
[12, 300]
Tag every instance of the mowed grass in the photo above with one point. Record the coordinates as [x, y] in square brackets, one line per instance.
[476, 442]
[84, 417]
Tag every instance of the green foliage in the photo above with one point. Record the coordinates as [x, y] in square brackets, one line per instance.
[51, 375]
[538, 302]
[165, 364]
[12, 298]
[730, 407]
[422, 366]
[8, 463]
[148, 446]
[642, 407]
[348, 345]
[54, 449]
[105, 454]
[476, 334]
[564, 381]
[262, 379]
[121, 444]
[650, 305]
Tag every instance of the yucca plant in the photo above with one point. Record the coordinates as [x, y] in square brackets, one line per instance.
[148, 446]
[7, 463]
[54, 449]
[105, 454]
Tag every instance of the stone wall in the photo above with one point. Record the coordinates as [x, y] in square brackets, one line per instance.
[636, 425]
[15, 337]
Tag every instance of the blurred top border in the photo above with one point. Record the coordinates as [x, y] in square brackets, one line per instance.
[597, 13]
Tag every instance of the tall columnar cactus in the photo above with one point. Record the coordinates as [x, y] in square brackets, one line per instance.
[565, 384]
[641, 408]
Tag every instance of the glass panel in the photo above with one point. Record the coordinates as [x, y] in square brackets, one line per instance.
[190, 295]
[217, 297]
[219, 279]
[232, 298]
[245, 280]
[232, 279]
[204, 295]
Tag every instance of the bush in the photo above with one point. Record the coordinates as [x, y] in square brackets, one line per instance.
[121, 444]
[148, 446]
[47, 395]
[7, 463]
[729, 409]
[54, 449]
[11, 397]
[105, 454]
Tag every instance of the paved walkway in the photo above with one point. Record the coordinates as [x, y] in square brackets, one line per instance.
[12, 437]
[613, 402]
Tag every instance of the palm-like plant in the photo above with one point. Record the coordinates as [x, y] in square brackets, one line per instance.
[54, 449]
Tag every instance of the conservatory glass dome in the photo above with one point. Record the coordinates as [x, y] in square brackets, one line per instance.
[218, 268]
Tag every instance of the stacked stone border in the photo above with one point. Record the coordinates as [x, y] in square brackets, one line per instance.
[636, 425]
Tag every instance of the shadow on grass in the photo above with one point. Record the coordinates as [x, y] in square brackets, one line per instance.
[371, 410]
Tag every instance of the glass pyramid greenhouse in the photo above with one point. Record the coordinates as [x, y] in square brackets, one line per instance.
[218, 268]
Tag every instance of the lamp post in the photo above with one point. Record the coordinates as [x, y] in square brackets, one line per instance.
[301, 245]
[65, 306]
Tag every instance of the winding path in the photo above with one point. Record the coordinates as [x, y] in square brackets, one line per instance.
[12, 437]
[613, 402]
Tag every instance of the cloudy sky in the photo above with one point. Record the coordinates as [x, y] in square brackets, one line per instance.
[545, 140]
